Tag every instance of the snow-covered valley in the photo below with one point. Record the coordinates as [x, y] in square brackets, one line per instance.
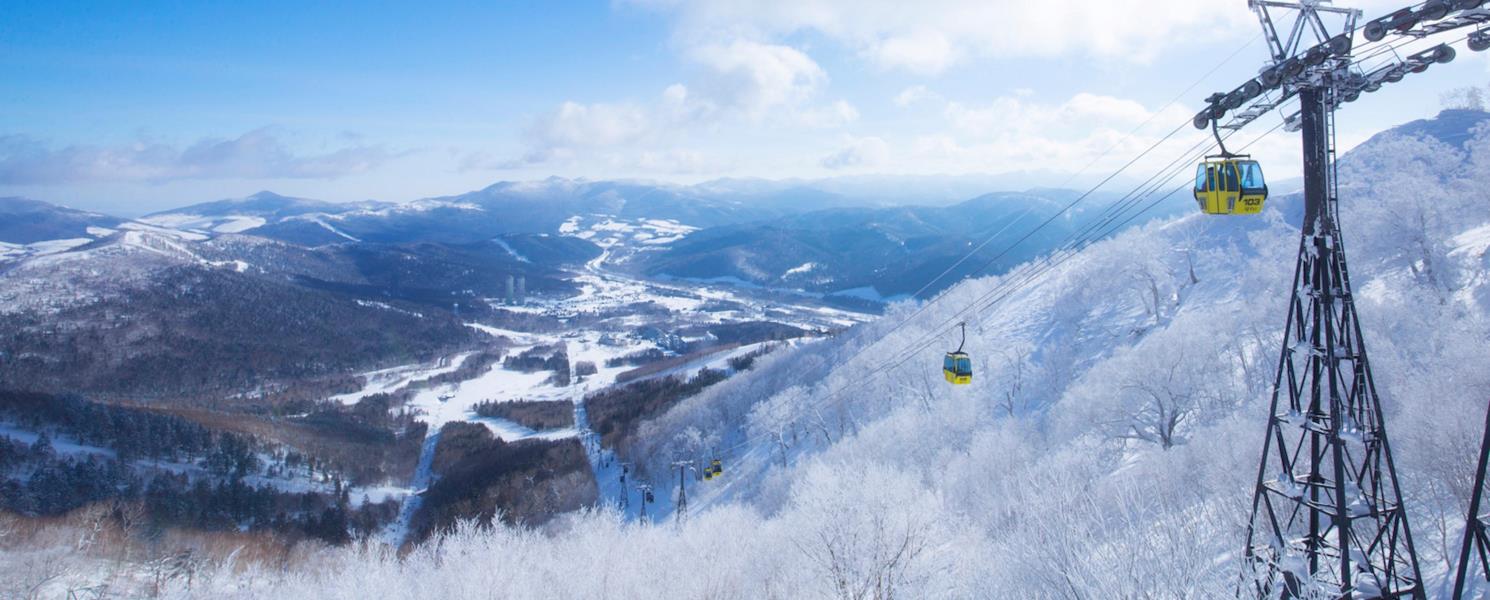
[848, 464]
[1107, 447]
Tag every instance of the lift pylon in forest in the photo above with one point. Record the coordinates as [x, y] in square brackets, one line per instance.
[1327, 508]
[1327, 517]
[1476, 546]
[682, 513]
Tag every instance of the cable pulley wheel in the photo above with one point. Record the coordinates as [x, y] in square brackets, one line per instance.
[1434, 10]
[1479, 42]
[1444, 54]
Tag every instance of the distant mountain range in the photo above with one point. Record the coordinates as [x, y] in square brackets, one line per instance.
[499, 209]
[761, 233]
[867, 237]
[878, 253]
[24, 221]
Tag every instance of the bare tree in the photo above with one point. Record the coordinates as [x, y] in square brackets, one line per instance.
[1016, 364]
[1161, 386]
[865, 552]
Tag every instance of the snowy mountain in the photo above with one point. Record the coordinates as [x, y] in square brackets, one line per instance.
[544, 206]
[500, 209]
[1106, 449]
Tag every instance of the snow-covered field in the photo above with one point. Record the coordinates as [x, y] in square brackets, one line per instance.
[218, 224]
[389, 380]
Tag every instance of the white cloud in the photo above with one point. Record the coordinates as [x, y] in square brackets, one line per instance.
[931, 35]
[1082, 114]
[258, 154]
[837, 114]
[859, 152]
[755, 78]
[739, 82]
[922, 51]
[573, 129]
[676, 161]
[575, 125]
[914, 94]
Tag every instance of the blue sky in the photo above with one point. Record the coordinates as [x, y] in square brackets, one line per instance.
[132, 107]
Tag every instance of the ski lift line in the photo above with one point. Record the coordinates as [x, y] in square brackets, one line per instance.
[1016, 244]
[1093, 162]
[1099, 235]
[1079, 199]
[912, 350]
[1023, 279]
[1049, 265]
[1122, 205]
[1071, 246]
[1052, 262]
[1184, 159]
[1044, 269]
[1116, 210]
[1081, 237]
[1086, 237]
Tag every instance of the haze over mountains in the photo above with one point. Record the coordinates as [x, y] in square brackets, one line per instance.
[755, 232]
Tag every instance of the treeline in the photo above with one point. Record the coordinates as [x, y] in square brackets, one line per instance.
[368, 442]
[616, 412]
[130, 433]
[527, 482]
[636, 359]
[543, 358]
[752, 332]
[745, 361]
[474, 366]
[533, 414]
[45, 482]
[538, 358]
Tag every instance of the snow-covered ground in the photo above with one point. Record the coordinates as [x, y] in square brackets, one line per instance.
[384, 381]
[218, 224]
[398, 530]
[606, 231]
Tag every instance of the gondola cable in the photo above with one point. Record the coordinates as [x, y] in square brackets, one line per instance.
[1046, 266]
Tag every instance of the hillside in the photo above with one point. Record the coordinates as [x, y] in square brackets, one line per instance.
[160, 314]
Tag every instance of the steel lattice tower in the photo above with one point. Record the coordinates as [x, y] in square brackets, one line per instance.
[1327, 517]
[1327, 512]
[1476, 523]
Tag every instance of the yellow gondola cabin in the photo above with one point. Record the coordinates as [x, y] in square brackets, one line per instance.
[957, 368]
[1230, 185]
